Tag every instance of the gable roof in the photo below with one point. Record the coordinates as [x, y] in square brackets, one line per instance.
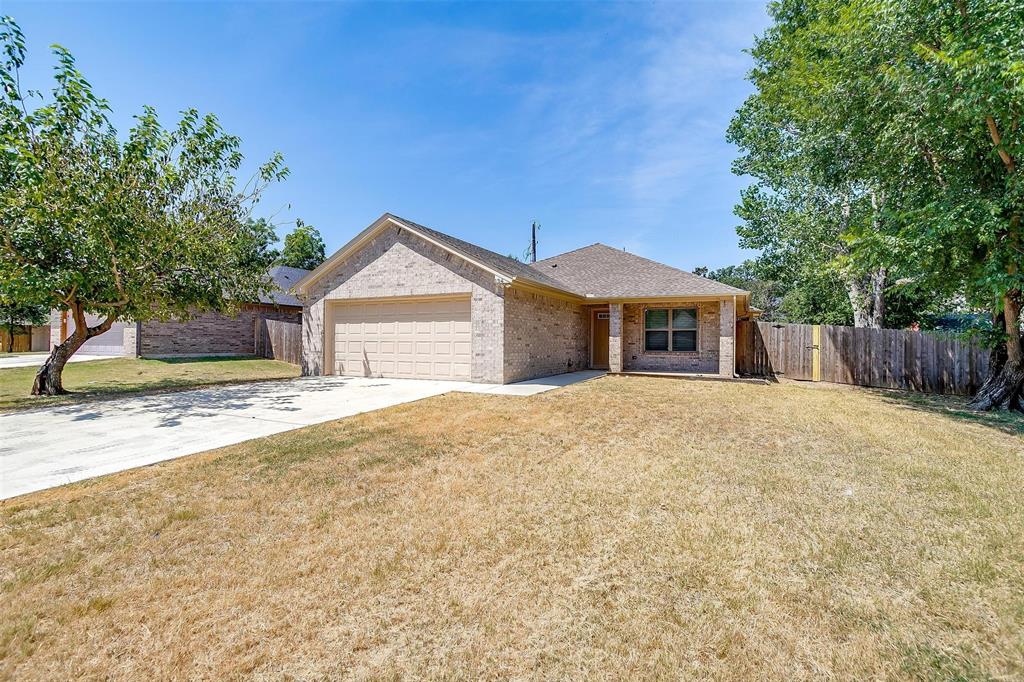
[504, 264]
[283, 278]
[501, 266]
[593, 272]
[599, 271]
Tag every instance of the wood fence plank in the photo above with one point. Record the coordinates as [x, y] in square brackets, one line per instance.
[883, 358]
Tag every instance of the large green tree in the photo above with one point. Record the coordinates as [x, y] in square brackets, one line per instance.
[902, 119]
[303, 247]
[812, 191]
[154, 225]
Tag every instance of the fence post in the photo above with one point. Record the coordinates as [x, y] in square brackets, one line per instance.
[816, 352]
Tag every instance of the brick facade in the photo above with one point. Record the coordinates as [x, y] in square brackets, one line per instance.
[544, 335]
[727, 339]
[616, 338]
[398, 263]
[208, 333]
[705, 360]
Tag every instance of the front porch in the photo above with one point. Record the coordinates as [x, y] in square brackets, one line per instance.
[691, 337]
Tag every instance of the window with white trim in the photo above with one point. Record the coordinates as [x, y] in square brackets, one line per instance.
[670, 329]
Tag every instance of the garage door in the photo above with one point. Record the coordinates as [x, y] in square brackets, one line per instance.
[404, 339]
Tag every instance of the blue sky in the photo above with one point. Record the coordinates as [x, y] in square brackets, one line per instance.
[605, 122]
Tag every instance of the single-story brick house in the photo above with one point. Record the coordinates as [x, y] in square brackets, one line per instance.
[206, 334]
[404, 300]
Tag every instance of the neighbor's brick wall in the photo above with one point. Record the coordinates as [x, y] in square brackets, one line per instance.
[544, 335]
[130, 336]
[398, 263]
[704, 360]
[210, 333]
[55, 339]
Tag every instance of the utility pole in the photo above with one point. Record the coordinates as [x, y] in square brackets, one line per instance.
[533, 242]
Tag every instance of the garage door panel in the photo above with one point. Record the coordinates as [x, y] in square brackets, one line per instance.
[421, 339]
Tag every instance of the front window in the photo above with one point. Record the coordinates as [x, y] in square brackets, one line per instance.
[672, 329]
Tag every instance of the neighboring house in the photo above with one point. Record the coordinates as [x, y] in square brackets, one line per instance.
[403, 300]
[205, 334]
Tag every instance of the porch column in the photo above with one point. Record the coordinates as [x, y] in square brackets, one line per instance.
[727, 338]
[614, 337]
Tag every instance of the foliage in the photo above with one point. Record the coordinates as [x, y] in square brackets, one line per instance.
[888, 132]
[819, 296]
[303, 247]
[765, 294]
[154, 226]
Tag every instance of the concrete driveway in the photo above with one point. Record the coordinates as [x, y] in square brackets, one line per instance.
[57, 445]
[36, 359]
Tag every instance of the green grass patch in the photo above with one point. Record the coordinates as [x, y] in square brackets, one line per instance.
[99, 379]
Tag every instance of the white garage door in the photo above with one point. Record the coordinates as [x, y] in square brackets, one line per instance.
[403, 339]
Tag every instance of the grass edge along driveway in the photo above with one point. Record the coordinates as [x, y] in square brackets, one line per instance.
[100, 379]
[623, 527]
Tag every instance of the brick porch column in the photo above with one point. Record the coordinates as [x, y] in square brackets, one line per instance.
[727, 338]
[614, 337]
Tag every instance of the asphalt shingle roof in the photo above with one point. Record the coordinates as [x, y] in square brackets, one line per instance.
[284, 278]
[600, 271]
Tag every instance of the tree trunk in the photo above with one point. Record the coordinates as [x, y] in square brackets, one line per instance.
[1002, 389]
[867, 298]
[48, 379]
[878, 279]
[855, 290]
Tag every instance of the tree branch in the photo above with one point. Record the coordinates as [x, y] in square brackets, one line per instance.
[993, 130]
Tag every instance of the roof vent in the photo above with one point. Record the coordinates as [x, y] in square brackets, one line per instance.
[554, 265]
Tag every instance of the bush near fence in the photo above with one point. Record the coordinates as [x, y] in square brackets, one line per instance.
[881, 358]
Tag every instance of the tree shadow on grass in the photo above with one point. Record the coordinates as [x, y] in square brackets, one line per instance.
[955, 407]
[191, 360]
[172, 406]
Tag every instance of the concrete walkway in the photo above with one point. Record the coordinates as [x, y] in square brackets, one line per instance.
[36, 359]
[52, 446]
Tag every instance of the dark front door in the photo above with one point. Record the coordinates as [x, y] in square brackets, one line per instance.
[599, 340]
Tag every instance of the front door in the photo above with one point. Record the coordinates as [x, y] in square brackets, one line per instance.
[599, 340]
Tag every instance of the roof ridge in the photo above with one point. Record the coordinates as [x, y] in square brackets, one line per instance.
[664, 265]
[628, 253]
[512, 267]
[452, 237]
[566, 253]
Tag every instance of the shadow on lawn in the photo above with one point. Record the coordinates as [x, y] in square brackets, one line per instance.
[191, 360]
[955, 407]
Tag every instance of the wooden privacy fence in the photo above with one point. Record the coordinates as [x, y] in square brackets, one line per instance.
[279, 340]
[26, 339]
[883, 358]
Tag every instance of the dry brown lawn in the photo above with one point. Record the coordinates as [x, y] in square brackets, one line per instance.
[625, 527]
